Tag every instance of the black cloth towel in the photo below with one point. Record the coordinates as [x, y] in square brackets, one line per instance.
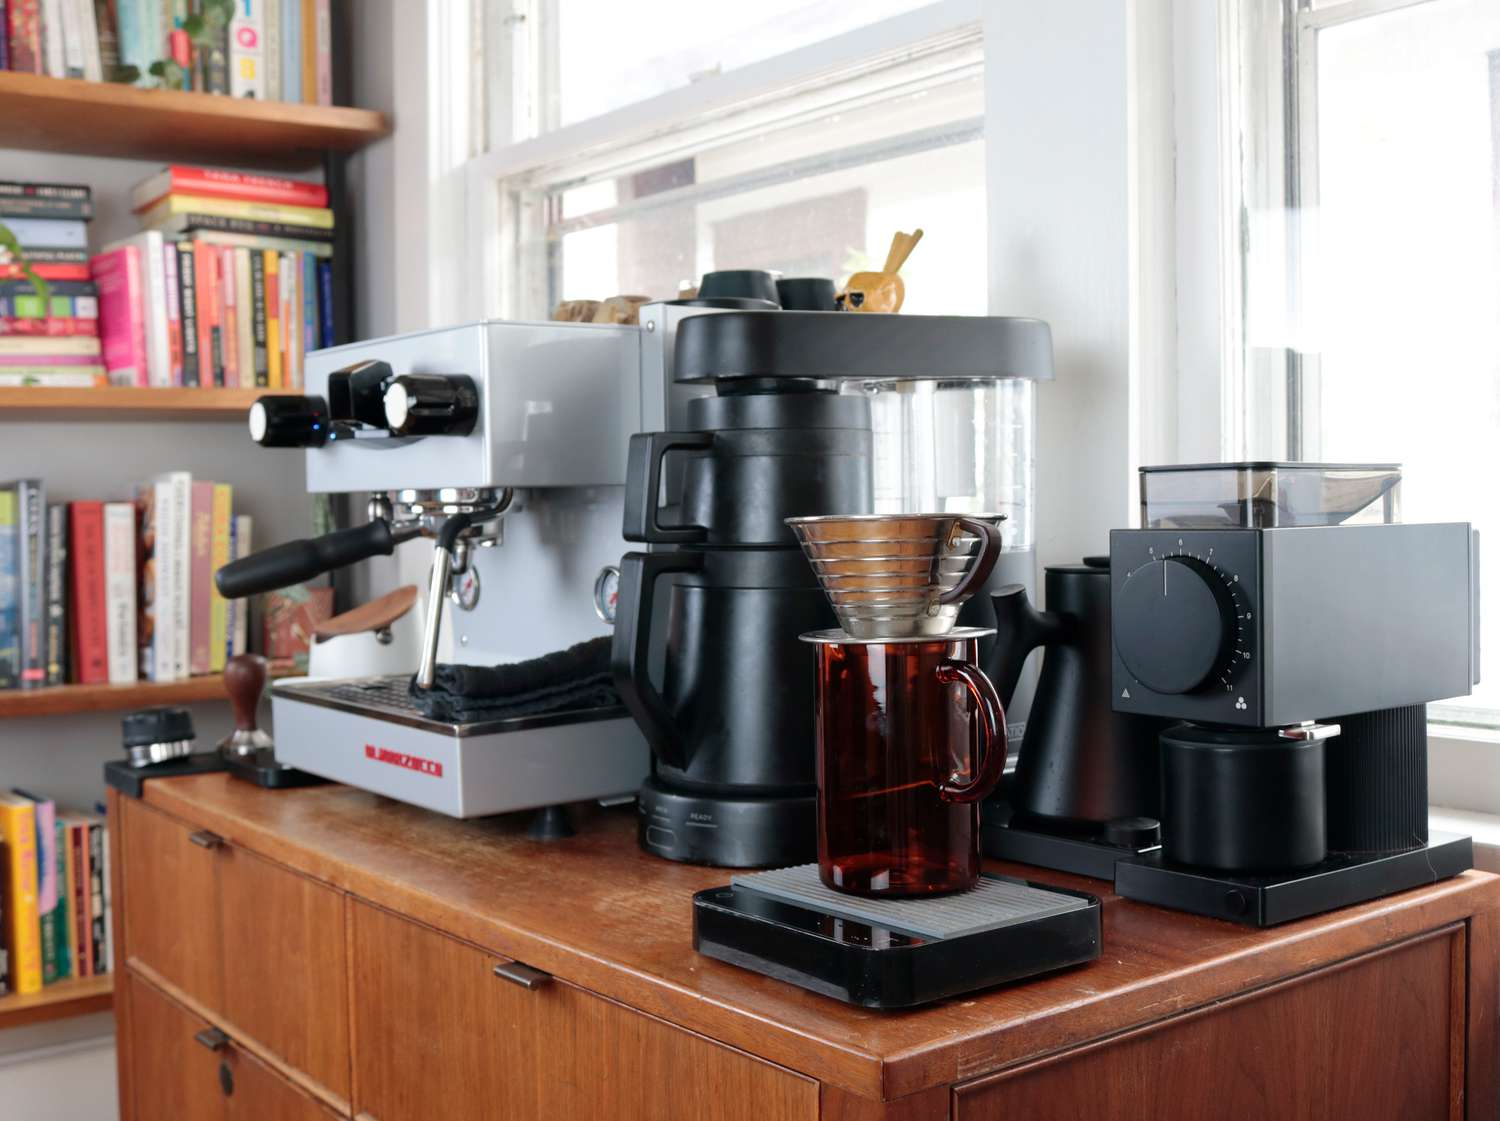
[575, 678]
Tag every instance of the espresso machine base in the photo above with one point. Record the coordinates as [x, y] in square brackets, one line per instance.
[1267, 900]
[365, 732]
[1004, 837]
[727, 831]
[891, 954]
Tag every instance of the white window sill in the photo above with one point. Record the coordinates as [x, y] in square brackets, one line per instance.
[1484, 828]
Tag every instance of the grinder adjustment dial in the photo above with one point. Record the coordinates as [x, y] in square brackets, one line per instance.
[1176, 624]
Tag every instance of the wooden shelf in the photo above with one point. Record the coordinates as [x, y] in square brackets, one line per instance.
[124, 403]
[58, 1001]
[108, 119]
[69, 700]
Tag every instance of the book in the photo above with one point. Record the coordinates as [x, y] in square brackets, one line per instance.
[149, 640]
[250, 231]
[240, 548]
[122, 324]
[119, 592]
[175, 530]
[291, 318]
[314, 217]
[214, 59]
[271, 32]
[12, 270]
[32, 516]
[309, 52]
[87, 21]
[57, 594]
[47, 361]
[90, 622]
[258, 316]
[82, 377]
[309, 294]
[187, 284]
[109, 40]
[4, 65]
[43, 200]
[50, 233]
[78, 902]
[52, 39]
[246, 53]
[244, 317]
[22, 289]
[291, 50]
[272, 302]
[206, 182]
[61, 941]
[108, 957]
[24, 35]
[10, 588]
[149, 247]
[172, 284]
[207, 296]
[219, 556]
[201, 579]
[141, 39]
[45, 812]
[23, 919]
[30, 346]
[48, 256]
[325, 302]
[229, 331]
[323, 65]
[53, 326]
[98, 940]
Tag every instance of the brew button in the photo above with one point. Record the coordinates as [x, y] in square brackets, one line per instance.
[1235, 902]
[662, 838]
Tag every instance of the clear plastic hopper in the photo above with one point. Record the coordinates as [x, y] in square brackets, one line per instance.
[1269, 495]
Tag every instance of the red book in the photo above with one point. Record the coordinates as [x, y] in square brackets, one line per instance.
[200, 580]
[13, 271]
[57, 326]
[78, 841]
[207, 299]
[25, 40]
[179, 179]
[90, 620]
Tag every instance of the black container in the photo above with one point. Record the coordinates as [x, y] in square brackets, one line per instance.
[753, 461]
[754, 284]
[807, 293]
[1241, 800]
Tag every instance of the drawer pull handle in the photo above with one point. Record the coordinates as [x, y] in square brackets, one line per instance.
[212, 1038]
[206, 840]
[523, 975]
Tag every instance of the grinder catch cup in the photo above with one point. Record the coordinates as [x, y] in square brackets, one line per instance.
[910, 732]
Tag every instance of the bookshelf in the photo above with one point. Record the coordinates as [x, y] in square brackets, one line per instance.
[107, 119]
[73, 700]
[125, 403]
[61, 999]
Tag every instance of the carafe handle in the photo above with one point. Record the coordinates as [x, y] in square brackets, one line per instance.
[989, 552]
[988, 765]
[630, 652]
[648, 451]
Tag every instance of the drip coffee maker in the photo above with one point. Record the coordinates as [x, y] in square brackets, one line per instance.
[910, 737]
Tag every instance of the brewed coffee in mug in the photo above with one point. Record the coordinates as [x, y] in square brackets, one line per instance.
[910, 737]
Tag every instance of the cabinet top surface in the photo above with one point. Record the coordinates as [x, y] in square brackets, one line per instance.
[596, 911]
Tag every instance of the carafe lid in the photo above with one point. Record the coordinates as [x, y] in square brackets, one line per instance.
[839, 637]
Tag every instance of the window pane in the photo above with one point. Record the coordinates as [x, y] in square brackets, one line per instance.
[613, 54]
[1402, 291]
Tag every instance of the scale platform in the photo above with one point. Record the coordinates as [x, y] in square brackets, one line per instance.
[1340, 881]
[367, 732]
[893, 953]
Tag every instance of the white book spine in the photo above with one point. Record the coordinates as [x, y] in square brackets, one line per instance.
[247, 58]
[119, 591]
[54, 34]
[242, 606]
[93, 67]
[158, 346]
[270, 18]
[182, 573]
[72, 31]
[163, 632]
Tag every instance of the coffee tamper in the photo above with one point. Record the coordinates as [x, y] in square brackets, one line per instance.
[244, 681]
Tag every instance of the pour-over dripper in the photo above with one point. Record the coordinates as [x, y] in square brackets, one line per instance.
[899, 575]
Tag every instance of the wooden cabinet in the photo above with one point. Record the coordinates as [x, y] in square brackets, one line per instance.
[1379, 1038]
[254, 946]
[553, 1050]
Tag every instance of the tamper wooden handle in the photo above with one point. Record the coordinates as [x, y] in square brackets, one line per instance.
[244, 681]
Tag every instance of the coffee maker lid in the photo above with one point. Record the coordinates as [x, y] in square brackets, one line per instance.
[840, 345]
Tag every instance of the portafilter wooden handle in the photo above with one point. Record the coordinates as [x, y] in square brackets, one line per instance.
[244, 681]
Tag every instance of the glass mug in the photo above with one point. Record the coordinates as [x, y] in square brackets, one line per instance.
[910, 736]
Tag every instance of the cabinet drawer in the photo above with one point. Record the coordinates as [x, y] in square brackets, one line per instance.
[260, 948]
[437, 1031]
[184, 1071]
[1378, 1037]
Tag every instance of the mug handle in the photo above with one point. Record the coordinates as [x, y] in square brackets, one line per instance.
[989, 763]
[989, 553]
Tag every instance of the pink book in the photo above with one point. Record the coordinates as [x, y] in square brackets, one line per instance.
[45, 359]
[122, 320]
[200, 616]
[229, 317]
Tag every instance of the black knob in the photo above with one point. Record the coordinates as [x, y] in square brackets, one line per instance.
[1173, 624]
[289, 421]
[431, 405]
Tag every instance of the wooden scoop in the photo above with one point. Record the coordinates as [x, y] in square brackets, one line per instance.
[377, 615]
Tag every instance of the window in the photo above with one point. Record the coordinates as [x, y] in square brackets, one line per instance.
[672, 139]
[1371, 303]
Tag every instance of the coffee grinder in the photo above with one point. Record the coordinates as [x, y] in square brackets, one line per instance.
[1297, 630]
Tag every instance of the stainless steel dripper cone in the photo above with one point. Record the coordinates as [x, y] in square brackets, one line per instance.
[899, 575]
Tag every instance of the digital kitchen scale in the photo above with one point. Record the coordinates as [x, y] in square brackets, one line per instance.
[893, 953]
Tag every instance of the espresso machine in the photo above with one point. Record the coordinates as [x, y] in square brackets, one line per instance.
[1296, 630]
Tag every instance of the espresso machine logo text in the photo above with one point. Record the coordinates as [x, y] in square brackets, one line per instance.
[402, 759]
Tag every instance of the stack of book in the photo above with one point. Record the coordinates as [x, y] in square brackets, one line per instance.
[229, 285]
[52, 341]
[272, 50]
[95, 593]
[55, 905]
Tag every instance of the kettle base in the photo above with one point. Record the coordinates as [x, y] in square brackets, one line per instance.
[727, 831]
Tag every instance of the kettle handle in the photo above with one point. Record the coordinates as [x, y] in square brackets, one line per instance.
[988, 765]
[648, 450]
[1019, 629]
[630, 652]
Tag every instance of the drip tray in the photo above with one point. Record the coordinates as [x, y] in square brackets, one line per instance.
[893, 953]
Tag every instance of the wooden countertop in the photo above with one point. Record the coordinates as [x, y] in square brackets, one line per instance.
[596, 911]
